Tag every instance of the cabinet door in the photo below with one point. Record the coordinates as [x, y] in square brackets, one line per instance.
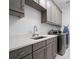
[27, 57]
[54, 47]
[18, 53]
[16, 5]
[53, 12]
[38, 45]
[49, 13]
[43, 3]
[50, 51]
[60, 18]
[40, 54]
[56, 15]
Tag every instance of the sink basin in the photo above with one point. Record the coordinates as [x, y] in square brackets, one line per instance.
[39, 37]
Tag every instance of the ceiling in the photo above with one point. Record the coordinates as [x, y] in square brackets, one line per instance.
[62, 3]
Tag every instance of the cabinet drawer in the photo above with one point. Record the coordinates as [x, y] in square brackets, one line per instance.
[50, 40]
[20, 52]
[40, 54]
[38, 45]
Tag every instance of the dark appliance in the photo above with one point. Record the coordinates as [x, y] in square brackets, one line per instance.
[61, 41]
[66, 30]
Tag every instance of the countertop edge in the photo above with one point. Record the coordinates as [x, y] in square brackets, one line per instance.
[31, 43]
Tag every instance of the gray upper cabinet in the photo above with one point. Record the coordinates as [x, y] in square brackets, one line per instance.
[58, 16]
[54, 15]
[53, 12]
[49, 14]
[50, 11]
[16, 7]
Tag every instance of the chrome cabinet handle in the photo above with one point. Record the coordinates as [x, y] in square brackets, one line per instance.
[23, 52]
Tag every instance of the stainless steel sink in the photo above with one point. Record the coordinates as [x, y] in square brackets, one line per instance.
[38, 37]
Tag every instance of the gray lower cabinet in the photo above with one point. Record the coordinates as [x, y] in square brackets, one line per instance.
[40, 54]
[50, 51]
[42, 50]
[19, 53]
[38, 45]
[52, 48]
[27, 57]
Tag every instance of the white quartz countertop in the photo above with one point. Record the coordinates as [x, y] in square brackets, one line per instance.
[16, 42]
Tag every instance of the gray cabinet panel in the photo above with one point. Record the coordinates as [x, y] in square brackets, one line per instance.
[16, 54]
[60, 18]
[53, 12]
[40, 54]
[54, 15]
[50, 40]
[49, 10]
[16, 7]
[55, 47]
[50, 51]
[38, 45]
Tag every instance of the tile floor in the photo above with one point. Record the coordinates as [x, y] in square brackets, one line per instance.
[66, 56]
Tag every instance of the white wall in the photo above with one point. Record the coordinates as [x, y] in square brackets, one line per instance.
[25, 25]
[66, 17]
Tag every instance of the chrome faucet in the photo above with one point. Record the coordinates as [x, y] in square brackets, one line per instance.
[35, 31]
